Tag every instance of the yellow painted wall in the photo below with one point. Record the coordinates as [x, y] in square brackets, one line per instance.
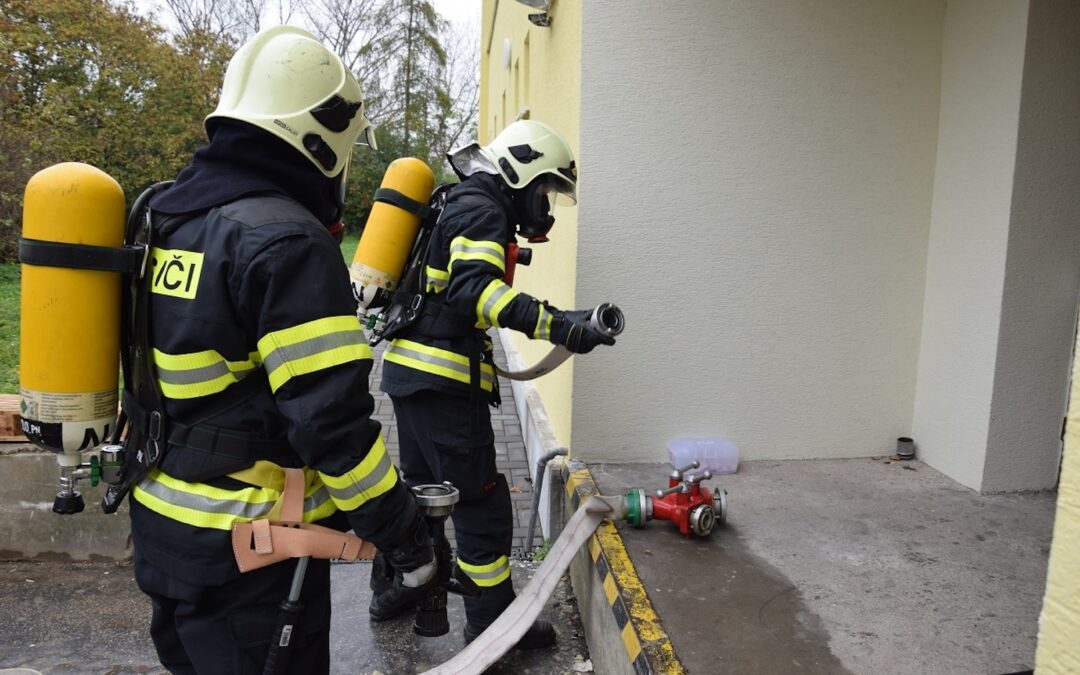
[1059, 625]
[543, 74]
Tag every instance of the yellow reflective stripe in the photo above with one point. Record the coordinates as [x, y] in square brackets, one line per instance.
[199, 373]
[437, 280]
[266, 474]
[312, 346]
[373, 476]
[201, 505]
[543, 324]
[488, 575]
[437, 362]
[463, 248]
[492, 302]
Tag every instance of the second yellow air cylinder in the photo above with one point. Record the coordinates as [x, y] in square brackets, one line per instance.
[390, 230]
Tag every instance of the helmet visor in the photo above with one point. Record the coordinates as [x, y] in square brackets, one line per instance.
[367, 137]
[558, 190]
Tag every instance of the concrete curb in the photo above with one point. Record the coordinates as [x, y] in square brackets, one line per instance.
[624, 632]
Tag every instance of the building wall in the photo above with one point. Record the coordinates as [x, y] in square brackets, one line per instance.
[1052, 104]
[756, 184]
[980, 104]
[1042, 269]
[1058, 652]
[544, 76]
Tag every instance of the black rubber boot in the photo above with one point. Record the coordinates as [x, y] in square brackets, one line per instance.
[483, 611]
[541, 634]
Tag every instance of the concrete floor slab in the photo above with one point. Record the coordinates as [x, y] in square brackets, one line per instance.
[847, 565]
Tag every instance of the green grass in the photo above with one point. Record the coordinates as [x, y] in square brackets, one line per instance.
[9, 328]
[348, 247]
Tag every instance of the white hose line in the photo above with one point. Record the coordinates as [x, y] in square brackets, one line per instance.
[516, 619]
[555, 358]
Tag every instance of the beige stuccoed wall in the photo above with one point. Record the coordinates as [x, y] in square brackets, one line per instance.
[756, 191]
[1042, 269]
[544, 76]
[1058, 652]
[980, 103]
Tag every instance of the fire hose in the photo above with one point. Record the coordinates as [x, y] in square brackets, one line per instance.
[606, 318]
[691, 508]
[516, 619]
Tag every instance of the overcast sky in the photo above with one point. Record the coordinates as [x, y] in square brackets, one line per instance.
[460, 13]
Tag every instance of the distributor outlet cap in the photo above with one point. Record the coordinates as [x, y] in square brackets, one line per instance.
[702, 520]
[436, 499]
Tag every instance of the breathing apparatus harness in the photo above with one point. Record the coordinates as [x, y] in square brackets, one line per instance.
[409, 302]
[127, 458]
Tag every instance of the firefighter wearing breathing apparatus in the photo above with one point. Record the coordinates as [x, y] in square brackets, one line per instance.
[262, 367]
[439, 372]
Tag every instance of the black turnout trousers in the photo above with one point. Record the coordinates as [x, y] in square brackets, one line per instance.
[226, 629]
[448, 437]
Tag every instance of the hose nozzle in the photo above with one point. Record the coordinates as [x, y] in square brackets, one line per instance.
[608, 319]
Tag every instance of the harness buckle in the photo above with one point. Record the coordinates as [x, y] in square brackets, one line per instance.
[145, 257]
[154, 432]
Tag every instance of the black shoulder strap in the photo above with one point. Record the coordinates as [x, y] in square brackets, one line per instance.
[392, 196]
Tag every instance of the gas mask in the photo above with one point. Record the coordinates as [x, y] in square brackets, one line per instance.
[534, 206]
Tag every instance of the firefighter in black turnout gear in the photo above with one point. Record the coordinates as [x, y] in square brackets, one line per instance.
[262, 366]
[440, 373]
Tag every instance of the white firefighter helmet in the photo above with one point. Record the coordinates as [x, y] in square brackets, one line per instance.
[284, 81]
[523, 151]
[535, 162]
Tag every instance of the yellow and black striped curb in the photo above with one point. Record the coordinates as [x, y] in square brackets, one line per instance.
[648, 647]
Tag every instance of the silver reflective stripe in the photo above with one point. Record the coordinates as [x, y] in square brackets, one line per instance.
[473, 251]
[438, 361]
[311, 347]
[366, 483]
[316, 499]
[500, 291]
[229, 507]
[480, 576]
[543, 324]
[199, 375]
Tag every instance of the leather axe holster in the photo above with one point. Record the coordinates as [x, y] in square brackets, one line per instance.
[261, 542]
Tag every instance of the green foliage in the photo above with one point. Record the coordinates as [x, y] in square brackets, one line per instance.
[348, 246]
[10, 274]
[88, 81]
[541, 551]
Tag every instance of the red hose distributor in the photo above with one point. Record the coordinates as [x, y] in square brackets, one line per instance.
[694, 510]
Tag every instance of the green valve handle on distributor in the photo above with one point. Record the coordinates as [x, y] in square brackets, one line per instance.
[95, 470]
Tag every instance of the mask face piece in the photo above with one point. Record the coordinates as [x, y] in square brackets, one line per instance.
[535, 207]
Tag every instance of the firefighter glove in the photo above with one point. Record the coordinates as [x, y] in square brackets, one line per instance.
[403, 574]
[413, 557]
[572, 330]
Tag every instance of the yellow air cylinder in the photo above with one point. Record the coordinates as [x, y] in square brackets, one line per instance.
[69, 336]
[390, 231]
